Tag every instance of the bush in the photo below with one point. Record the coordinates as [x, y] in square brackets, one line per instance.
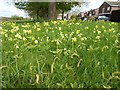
[73, 17]
[92, 18]
[15, 17]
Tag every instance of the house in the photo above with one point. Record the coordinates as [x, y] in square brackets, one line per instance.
[94, 12]
[82, 14]
[109, 6]
[106, 8]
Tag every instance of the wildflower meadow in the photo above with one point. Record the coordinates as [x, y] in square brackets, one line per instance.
[60, 54]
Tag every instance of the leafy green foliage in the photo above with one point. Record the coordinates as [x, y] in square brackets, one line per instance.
[40, 9]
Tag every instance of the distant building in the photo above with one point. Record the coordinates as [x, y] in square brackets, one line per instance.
[109, 6]
[94, 12]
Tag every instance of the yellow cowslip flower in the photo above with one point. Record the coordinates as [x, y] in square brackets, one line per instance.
[36, 41]
[111, 30]
[38, 29]
[86, 27]
[78, 31]
[57, 42]
[60, 28]
[33, 38]
[29, 31]
[74, 39]
[47, 39]
[37, 78]
[94, 31]
[103, 26]
[18, 36]
[98, 31]
[104, 30]
[46, 24]
[97, 37]
[62, 35]
[82, 39]
[6, 35]
[16, 46]
[24, 39]
[96, 26]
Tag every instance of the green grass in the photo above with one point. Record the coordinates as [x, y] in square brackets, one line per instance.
[60, 54]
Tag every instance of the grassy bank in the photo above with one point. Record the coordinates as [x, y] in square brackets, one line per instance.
[64, 54]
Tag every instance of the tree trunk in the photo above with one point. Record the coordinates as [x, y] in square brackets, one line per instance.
[62, 15]
[52, 10]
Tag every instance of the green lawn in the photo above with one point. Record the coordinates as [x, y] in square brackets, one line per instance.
[60, 54]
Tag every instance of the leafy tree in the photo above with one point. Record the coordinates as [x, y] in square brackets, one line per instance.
[65, 6]
[34, 9]
[45, 9]
[52, 10]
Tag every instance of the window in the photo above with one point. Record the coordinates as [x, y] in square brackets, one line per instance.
[103, 10]
[108, 8]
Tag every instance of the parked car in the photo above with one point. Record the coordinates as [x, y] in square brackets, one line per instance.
[104, 17]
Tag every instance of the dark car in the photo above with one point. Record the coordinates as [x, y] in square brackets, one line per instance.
[104, 17]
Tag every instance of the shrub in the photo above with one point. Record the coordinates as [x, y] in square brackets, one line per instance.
[15, 17]
[73, 17]
[92, 18]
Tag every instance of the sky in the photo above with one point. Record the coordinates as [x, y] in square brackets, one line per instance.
[8, 9]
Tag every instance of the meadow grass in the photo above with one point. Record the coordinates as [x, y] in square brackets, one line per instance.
[60, 54]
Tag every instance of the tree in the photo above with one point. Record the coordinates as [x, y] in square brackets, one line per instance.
[45, 9]
[65, 6]
[35, 10]
[52, 10]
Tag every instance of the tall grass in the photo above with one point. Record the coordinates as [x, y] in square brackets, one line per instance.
[60, 54]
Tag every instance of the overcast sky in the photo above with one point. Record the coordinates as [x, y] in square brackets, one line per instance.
[8, 9]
